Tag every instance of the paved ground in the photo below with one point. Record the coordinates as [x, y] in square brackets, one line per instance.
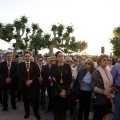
[19, 113]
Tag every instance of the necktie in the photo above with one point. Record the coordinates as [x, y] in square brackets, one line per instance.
[40, 67]
[8, 65]
[28, 70]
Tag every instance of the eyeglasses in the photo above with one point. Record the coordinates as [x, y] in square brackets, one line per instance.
[52, 60]
[105, 59]
[69, 61]
[40, 60]
[87, 63]
[61, 56]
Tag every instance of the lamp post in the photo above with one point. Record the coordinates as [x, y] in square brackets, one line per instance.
[102, 50]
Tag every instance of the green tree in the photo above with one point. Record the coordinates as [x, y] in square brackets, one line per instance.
[115, 41]
[63, 40]
[33, 38]
[39, 41]
[14, 31]
[19, 32]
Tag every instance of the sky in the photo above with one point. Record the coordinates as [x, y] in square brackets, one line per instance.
[93, 20]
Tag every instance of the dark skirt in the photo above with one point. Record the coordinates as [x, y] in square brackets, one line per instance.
[61, 103]
[102, 110]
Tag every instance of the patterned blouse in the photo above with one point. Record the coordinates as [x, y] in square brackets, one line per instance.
[97, 80]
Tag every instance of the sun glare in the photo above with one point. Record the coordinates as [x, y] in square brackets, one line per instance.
[95, 50]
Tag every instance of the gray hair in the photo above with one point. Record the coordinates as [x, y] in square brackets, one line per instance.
[67, 59]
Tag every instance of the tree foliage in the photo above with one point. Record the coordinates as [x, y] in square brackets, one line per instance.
[115, 41]
[64, 41]
[24, 36]
[14, 31]
[39, 41]
[33, 38]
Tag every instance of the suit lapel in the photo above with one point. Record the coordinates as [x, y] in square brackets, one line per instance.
[11, 66]
[24, 67]
[6, 68]
[6, 65]
[31, 67]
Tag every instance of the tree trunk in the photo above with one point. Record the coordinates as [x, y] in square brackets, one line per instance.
[51, 53]
[15, 49]
[36, 52]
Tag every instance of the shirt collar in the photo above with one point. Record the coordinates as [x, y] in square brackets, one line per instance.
[9, 61]
[27, 62]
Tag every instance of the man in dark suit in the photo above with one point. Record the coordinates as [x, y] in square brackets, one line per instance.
[48, 79]
[8, 71]
[28, 74]
[42, 82]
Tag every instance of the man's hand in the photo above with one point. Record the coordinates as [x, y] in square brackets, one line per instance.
[40, 79]
[28, 83]
[63, 93]
[8, 80]
[82, 81]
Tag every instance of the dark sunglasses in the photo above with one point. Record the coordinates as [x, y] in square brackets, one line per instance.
[52, 60]
[40, 60]
[87, 63]
[69, 61]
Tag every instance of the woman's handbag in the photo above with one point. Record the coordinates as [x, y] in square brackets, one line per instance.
[100, 99]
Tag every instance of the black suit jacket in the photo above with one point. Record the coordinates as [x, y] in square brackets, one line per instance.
[41, 72]
[42, 75]
[46, 74]
[23, 76]
[4, 72]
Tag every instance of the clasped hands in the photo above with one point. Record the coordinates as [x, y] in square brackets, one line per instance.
[8, 80]
[40, 79]
[106, 92]
[83, 80]
[28, 83]
[63, 93]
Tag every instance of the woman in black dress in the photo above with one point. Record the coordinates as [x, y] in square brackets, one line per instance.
[62, 78]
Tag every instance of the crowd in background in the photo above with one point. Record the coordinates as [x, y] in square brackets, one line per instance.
[65, 80]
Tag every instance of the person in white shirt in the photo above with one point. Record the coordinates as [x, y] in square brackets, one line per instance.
[109, 66]
[68, 60]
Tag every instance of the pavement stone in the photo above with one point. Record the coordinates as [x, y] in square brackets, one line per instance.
[19, 113]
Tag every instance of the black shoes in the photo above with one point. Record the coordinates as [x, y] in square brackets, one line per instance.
[37, 116]
[14, 107]
[26, 115]
[4, 109]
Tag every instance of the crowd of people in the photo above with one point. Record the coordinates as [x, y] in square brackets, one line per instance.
[66, 80]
